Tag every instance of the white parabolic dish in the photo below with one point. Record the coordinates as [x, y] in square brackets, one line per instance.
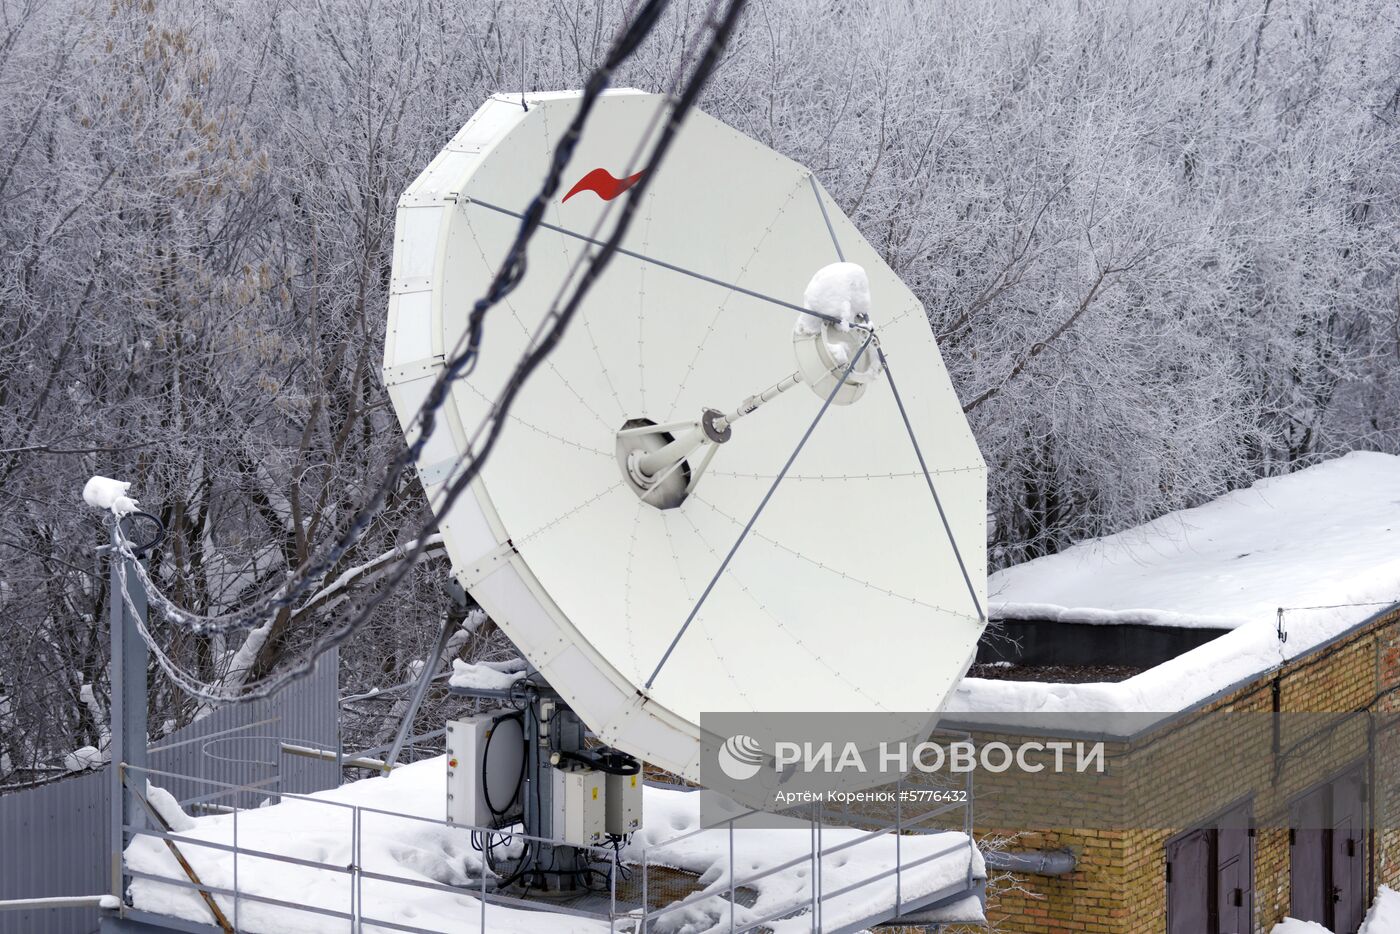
[847, 594]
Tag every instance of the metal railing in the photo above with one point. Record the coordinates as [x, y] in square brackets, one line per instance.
[633, 913]
[59, 901]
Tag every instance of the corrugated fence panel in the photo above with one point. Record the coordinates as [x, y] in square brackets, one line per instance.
[53, 839]
[240, 745]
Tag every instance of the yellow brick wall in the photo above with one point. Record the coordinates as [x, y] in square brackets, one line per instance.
[1119, 885]
[1386, 841]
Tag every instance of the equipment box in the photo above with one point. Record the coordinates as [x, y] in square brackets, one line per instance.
[491, 746]
[624, 794]
[580, 807]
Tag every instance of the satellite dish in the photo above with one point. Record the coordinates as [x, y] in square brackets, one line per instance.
[635, 457]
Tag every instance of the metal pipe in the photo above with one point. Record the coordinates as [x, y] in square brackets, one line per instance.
[754, 401]
[686, 443]
[385, 692]
[330, 755]
[109, 902]
[425, 679]
[649, 465]
[127, 673]
[1034, 862]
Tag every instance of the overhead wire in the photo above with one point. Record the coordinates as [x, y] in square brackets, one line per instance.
[508, 276]
[484, 439]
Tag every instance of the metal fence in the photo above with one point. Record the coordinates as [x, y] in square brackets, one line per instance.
[54, 838]
[649, 899]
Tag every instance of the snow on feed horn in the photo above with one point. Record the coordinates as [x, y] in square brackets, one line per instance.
[666, 528]
[840, 293]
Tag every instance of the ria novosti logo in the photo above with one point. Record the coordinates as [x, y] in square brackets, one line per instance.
[740, 757]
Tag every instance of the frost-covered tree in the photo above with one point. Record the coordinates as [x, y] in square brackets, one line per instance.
[1157, 243]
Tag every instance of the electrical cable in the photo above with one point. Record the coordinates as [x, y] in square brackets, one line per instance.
[487, 846]
[508, 275]
[537, 778]
[501, 813]
[523, 865]
[506, 279]
[486, 843]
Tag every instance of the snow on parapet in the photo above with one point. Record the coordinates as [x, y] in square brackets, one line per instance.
[106, 493]
[1323, 542]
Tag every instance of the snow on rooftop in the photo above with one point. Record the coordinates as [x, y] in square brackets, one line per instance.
[1324, 542]
[315, 829]
[1329, 534]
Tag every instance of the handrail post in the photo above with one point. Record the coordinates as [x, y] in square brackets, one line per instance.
[898, 847]
[646, 902]
[356, 891]
[819, 866]
[967, 826]
[815, 858]
[733, 889]
[235, 863]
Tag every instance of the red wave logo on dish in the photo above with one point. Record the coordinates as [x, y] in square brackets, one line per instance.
[602, 183]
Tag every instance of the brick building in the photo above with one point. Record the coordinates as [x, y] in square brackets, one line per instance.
[1253, 752]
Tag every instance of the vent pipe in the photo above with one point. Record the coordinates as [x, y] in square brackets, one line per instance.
[1033, 862]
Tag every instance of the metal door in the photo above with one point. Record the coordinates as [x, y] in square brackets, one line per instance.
[1189, 882]
[1310, 883]
[1348, 853]
[1234, 874]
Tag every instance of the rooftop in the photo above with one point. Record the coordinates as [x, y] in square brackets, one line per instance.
[1322, 544]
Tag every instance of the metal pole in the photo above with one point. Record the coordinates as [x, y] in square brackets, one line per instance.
[420, 690]
[356, 892]
[646, 905]
[732, 892]
[968, 825]
[813, 843]
[235, 863]
[898, 852]
[127, 676]
[58, 901]
[116, 793]
[819, 866]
